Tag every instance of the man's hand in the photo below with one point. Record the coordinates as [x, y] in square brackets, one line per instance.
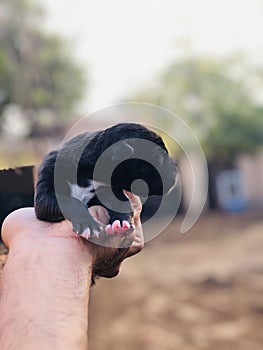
[46, 280]
[22, 226]
[115, 248]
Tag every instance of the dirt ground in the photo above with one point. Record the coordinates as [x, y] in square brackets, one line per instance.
[202, 290]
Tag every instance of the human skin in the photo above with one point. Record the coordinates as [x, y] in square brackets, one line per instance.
[47, 277]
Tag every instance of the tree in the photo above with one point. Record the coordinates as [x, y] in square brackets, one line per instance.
[217, 98]
[37, 70]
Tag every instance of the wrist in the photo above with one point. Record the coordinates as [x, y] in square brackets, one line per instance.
[49, 278]
[58, 252]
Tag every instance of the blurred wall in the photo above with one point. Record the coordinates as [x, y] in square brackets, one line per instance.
[251, 168]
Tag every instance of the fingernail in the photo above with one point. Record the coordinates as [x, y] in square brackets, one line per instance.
[129, 194]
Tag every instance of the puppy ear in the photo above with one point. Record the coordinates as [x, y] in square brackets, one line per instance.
[121, 151]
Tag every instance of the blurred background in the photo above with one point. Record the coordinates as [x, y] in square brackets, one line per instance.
[61, 61]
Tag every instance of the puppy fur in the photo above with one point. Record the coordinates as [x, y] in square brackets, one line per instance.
[66, 186]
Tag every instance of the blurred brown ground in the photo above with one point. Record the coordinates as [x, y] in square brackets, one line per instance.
[202, 290]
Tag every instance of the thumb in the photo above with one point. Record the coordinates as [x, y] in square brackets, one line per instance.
[135, 203]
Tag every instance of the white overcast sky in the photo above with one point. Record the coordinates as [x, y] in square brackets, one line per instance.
[126, 43]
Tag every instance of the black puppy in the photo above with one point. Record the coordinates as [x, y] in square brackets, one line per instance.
[94, 169]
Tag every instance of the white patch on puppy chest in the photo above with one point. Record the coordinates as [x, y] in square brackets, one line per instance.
[97, 184]
[84, 194]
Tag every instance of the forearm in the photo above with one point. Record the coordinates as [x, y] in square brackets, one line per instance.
[46, 280]
[50, 314]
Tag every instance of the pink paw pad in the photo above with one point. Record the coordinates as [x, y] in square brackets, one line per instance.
[116, 226]
[119, 229]
[126, 224]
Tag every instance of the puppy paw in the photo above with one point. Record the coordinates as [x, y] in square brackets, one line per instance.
[87, 228]
[119, 229]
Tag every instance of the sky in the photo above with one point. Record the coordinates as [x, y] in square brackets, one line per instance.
[125, 45]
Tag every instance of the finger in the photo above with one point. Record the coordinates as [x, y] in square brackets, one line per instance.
[100, 214]
[138, 242]
[111, 272]
[135, 203]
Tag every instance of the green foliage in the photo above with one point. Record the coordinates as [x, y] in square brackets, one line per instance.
[217, 99]
[235, 133]
[36, 69]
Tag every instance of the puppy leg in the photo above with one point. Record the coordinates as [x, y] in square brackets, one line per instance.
[77, 212]
[120, 222]
[45, 202]
[47, 208]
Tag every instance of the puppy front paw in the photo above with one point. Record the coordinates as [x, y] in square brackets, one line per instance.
[119, 229]
[86, 227]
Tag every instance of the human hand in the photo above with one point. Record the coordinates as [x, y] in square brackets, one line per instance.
[47, 277]
[23, 230]
[113, 249]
